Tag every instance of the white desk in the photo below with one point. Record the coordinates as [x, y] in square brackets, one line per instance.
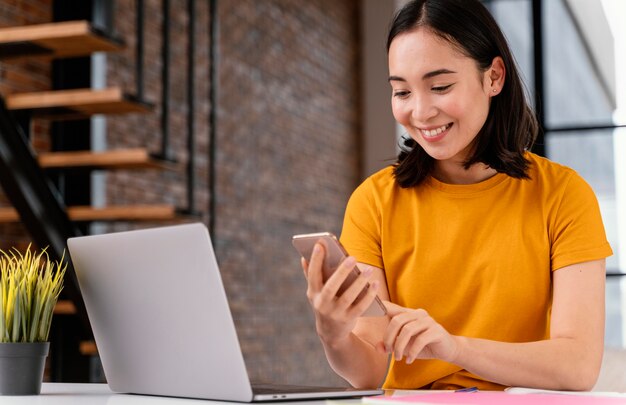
[100, 394]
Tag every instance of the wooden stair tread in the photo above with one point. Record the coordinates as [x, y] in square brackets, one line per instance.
[88, 348]
[157, 212]
[123, 213]
[76, 103]
[57, 40]
[138, 158]
[64, 307]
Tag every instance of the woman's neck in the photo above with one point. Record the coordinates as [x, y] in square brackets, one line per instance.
[455, 173]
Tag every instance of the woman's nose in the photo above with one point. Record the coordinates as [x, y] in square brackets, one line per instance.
[423, 110]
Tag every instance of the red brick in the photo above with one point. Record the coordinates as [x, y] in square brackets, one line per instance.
[287, 152]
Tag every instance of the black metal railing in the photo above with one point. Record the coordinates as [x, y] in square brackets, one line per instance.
[213, 82]
[40, 203]
[191, 128]
[34, 197]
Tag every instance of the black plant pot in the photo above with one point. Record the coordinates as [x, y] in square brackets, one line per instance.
[21, 367]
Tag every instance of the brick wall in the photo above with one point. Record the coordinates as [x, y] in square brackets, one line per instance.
[287, 163]
[287, 149]
[32, 74]
[145, 130]
[287, 155]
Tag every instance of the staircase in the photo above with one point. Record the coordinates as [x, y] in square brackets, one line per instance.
[75, 104]
[80, 38]
[53, 41]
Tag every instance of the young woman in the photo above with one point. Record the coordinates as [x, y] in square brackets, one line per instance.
[490, 258]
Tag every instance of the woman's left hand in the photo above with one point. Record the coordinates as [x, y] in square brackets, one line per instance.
[414, 334]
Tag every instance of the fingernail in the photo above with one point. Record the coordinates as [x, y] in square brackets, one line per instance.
[375, 285]
[350, 261]
[409, 360]
[316, 248]
[387, 349]
[367, 271]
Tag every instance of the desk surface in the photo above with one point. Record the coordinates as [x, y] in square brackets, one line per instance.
[100, 394]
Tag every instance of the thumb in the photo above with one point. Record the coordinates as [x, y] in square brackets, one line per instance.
[394, 309]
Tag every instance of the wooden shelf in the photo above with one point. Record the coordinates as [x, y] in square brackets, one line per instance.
[116, 159]
[64, 307]
[76, 103]
[55, 40]
[123, 213]
[88, 348]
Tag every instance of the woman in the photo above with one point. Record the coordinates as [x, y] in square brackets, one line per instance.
[491, 259]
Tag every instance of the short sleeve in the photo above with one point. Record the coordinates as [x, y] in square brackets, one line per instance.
[579, 234]
[361, 226]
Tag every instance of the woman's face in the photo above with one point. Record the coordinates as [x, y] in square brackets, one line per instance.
[439, 95]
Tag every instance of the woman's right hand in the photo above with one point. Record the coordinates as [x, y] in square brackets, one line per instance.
[335, 317]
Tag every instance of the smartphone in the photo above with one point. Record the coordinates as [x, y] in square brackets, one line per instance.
[335, 253]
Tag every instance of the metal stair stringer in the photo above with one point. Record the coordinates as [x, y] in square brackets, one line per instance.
[33, 196]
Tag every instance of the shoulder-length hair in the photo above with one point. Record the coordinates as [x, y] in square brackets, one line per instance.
[511, 126]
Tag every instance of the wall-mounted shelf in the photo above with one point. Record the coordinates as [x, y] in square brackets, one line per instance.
[76, 103]
[88, 348]
[55, 40]
[108, 160]
[121, 213]
[65, 307]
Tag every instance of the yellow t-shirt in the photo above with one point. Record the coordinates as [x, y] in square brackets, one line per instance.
[477, 257]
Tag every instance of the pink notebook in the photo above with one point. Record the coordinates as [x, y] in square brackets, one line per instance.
[494, 398]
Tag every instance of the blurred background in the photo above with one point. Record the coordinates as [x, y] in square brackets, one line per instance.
[259, 118]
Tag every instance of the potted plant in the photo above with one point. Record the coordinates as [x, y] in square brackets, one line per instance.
[30, 285]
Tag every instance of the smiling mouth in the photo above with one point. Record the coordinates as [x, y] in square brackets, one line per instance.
[431, 133]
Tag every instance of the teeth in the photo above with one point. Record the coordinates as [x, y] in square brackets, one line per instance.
[434, 132]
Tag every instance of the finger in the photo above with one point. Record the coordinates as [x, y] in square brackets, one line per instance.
[366, 300]
[396, 324]
[394, 309]
[336, 280]
[421, 341]
[314, 269]
[351, 294]
[410, 331]
[393, 328]
[409, 346]
[392, 331]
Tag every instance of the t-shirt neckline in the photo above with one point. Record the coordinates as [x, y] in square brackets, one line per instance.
[465, 189]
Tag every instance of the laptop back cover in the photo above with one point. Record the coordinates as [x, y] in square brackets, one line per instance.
[159, 313]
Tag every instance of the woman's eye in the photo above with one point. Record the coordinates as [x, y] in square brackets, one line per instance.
[441, 89]
[400, 94]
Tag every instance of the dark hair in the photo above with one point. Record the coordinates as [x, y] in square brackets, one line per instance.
[511, 126]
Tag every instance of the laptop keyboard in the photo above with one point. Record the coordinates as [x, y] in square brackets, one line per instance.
[289, 389]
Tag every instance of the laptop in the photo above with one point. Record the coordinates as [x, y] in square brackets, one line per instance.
[161, 319]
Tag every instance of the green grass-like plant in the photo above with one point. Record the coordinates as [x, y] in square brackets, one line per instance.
[29, 288]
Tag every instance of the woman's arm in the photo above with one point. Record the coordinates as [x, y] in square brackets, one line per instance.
[348, 340]
[569, 360]
[356, 358]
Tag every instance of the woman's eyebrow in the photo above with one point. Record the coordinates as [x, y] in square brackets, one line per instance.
[426, 76]
[437, 73]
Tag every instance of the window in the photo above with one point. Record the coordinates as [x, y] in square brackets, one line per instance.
[578, 77]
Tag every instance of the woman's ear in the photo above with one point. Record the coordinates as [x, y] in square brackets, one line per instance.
[496, 74]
